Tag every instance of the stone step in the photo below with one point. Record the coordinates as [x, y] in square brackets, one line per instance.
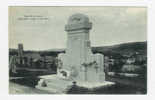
[56, 86]
[53, 88]
[50, 90]
[58, 82]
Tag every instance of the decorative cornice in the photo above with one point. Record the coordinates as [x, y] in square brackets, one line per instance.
[78, 26]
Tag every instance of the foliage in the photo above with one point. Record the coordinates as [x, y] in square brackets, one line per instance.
[117, 66]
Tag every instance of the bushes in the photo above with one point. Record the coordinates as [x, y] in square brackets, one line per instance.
[130, 68]
[134, 69]
[117, 66]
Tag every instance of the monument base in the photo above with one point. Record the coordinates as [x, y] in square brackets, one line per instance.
[89, 85]
[58, 85]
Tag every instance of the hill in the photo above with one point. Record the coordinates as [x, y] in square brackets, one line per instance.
[123, 49]
[120, 49]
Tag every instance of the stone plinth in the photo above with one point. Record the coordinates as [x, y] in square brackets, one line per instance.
[59, 85]
[79, 63]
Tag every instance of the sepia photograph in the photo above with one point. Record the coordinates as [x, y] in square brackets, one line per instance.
[77, 50]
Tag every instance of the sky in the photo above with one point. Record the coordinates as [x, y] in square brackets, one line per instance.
[43, 28]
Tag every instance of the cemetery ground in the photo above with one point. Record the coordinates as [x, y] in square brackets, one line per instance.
[26, 85]
[26, 79]
[15, 88]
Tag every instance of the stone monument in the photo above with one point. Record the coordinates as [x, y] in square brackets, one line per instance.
[20, 50]
[78, 62]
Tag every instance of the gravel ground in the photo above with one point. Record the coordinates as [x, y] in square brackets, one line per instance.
[20, 89]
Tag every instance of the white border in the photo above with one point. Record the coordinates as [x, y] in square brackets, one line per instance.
[83, 3]
[4, 49]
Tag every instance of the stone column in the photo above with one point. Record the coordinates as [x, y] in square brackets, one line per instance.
[77, 28]
[20, 53]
